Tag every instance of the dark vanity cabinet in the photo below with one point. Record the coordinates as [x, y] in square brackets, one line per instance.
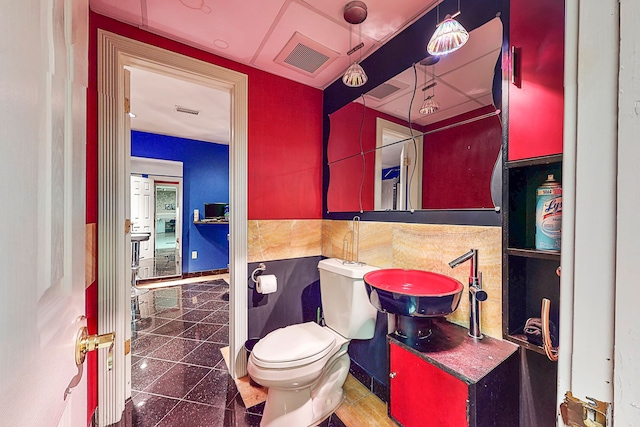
[453, 380]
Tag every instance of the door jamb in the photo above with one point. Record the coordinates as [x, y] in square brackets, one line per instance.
[114, 52]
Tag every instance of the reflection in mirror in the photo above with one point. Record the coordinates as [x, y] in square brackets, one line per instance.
[461, 142]
[398, 167]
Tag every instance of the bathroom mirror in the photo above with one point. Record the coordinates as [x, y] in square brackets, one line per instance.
[443, 160]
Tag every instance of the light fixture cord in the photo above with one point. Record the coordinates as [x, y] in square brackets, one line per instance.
[413, 138]
[433, 78]
[364, 163]
[360, 41]
[424, 92]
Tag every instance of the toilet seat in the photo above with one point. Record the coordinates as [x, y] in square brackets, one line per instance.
[293, 346]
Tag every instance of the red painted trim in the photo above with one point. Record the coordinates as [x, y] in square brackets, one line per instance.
[91, 364]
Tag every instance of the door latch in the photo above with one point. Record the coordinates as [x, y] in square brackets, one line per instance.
[576, 413]
[86, 343]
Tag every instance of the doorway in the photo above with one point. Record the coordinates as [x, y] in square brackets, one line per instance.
[114, 172]
[398, 167]
[156, 208]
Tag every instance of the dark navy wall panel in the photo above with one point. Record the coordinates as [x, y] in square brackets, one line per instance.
[371, 355]
[296, 300]
[205, 180]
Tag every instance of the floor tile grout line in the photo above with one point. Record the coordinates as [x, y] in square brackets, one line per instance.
[172, 338]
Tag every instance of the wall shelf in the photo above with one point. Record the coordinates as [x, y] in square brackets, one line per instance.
[544, 160]
[210, 222]
[534, 253]
[522, 342]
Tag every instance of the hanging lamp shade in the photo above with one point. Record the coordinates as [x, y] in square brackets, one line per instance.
[448, 37]
[429, 106]
[354, 76]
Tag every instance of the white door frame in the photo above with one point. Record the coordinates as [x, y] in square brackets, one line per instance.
[627, 328]
[114, 53]
[588, 282]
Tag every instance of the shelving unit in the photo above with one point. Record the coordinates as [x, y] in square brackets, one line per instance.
[529, 274]
[534, 144]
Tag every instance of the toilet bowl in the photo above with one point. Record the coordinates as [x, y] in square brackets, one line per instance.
[305, 365]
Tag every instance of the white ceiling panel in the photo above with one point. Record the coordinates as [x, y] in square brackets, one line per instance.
[384, 17]
[155, 109]
[126, 11]
[241, 25]
[334, 36]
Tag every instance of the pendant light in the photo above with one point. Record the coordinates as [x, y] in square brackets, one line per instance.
[429, 105]
[355, 12]
[449, 36]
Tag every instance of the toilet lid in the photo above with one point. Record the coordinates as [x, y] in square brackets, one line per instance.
[294, 345]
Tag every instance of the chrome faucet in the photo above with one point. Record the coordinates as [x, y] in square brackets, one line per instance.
[476, 293]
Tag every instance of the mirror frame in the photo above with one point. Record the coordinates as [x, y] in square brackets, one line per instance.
[399, 53]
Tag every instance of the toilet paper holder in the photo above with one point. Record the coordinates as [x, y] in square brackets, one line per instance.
[261, 267]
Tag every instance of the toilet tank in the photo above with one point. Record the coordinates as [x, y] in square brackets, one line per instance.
[345, 302]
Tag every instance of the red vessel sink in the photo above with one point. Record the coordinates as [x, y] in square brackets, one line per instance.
[414, 293]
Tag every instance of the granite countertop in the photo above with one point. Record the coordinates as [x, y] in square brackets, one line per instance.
[453, 350]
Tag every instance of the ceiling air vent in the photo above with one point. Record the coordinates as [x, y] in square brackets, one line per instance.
[186, 110]
[305, 55]
[386, 89]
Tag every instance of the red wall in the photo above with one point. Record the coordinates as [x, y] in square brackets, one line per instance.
[344, 141]
[458, 162]
[284, 146]
[536, 104]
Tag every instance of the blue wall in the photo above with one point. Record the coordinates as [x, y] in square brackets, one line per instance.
[205, 180]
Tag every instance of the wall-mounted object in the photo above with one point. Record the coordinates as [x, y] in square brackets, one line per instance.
[464, 136]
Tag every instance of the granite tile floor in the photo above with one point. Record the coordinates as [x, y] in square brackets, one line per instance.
[178, 375]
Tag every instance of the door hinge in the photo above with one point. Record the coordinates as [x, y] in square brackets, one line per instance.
[577, 413]
[127, 106]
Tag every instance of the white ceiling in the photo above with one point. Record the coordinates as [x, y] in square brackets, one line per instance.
[256, 32]
[154, 98]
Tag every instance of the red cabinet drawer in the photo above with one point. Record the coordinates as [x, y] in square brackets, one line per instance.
[424, 395]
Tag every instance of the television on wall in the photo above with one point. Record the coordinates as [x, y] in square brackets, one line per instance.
[214, 210]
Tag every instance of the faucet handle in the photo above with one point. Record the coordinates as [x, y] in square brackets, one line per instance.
[480, 294]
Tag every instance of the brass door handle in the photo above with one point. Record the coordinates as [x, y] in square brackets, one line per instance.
[86, 343]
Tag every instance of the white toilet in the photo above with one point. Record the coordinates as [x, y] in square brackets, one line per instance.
[305, 365]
